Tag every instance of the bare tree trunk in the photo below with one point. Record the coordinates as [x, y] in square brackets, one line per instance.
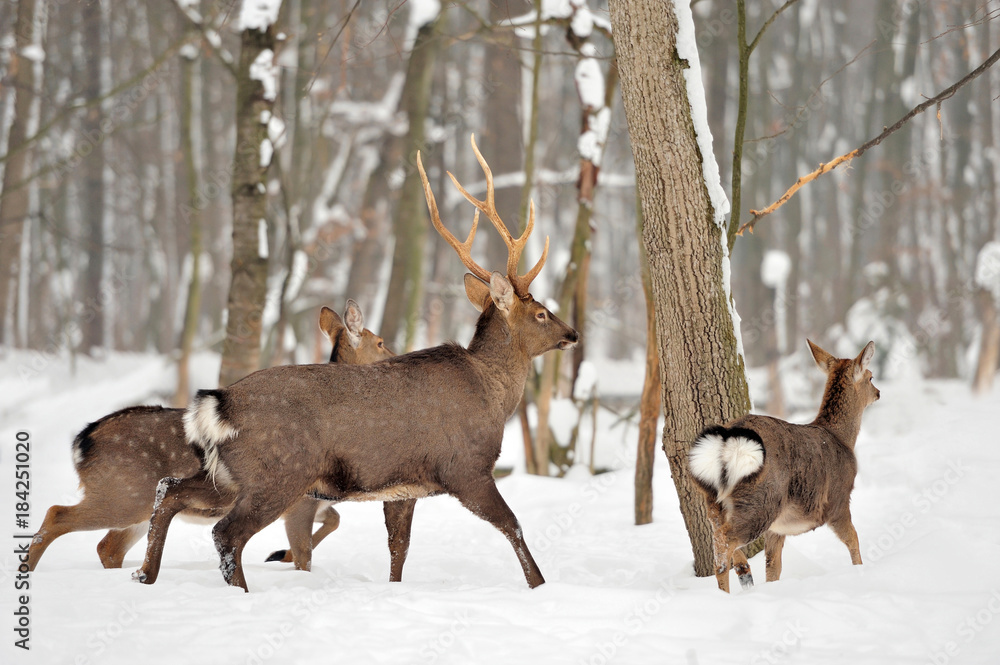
[193, 218]
[92, 181]
[703, 378]
[14, 195]
[241, 349]
[649, 403]
[501, 135]
[405, 295]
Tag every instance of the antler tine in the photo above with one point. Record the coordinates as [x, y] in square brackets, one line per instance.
[464, 249]
[521, 282]
[515, 246]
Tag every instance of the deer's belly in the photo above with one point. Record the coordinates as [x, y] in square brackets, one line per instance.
[791, 522]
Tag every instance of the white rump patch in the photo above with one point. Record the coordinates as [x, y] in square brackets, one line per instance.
[723, 462]
[77, 457]
[743, 457]
[705, 460]
[205, 429]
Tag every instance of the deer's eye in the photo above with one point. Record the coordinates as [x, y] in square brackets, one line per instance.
[380, 344]
[541, 316]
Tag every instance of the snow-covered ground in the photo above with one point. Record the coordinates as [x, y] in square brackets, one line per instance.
[926, 506]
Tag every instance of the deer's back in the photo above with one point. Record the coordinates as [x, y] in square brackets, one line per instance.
[365, 423]
[806, 480]
[133, 448]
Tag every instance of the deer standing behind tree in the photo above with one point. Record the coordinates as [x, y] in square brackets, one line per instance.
[764, 476]
[121, 458]
[433, 419]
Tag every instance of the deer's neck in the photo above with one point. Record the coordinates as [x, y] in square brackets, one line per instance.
[506, 363]
[839, 414]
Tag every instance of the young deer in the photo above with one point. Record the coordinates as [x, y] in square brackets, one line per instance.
[425, 423]
[763, 476]
[121, 458]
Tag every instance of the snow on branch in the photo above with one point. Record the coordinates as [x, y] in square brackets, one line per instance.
[258, 14]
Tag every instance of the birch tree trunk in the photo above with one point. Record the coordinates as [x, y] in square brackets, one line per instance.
[703, 379]
[241, 349]
[14, 195]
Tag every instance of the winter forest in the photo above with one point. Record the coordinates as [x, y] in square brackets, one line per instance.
[704, 184]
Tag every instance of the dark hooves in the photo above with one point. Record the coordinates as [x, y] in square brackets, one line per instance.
[746, 581]
[276, 556]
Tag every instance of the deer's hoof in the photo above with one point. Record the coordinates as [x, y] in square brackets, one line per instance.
[746, 581]
[139, 576]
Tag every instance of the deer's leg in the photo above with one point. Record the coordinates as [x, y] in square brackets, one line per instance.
[60, 520]
[483, 499]
[172, 496]
[398, 518]
[298, 527]
[250, 514]
[116, 544]
[844, 529]
[742, 568]
[330, 522]
[723, 548]
[773, 544]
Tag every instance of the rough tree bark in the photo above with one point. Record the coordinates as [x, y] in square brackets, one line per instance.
[14, 195]
[703, 378]
[241, 349]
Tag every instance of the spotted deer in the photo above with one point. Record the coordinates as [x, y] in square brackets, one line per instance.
[421, 424]
[121, 458]
[764, 476]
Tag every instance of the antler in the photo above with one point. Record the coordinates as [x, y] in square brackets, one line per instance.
[514, 245]
[464, 249]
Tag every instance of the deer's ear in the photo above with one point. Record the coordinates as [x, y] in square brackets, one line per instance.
[355, 323]
[502, 292]
[863, 360]
[330, 323]
[477, 290]
[823, 359]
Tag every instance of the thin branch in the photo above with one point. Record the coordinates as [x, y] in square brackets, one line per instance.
[857, 152]
[768, 23]
[801, 109]
[343, 26]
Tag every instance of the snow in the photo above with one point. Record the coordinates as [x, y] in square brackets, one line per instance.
[264, 70]
[775, 267]
[422, 12]
[258, 14]
[266, 152]
[926, 515]
[687, 49]
[988, 269]
[262, 250]
[589, 79]
[33, 52]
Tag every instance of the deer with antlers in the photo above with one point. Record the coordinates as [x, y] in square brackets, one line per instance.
[421, 424]
[121, 458]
